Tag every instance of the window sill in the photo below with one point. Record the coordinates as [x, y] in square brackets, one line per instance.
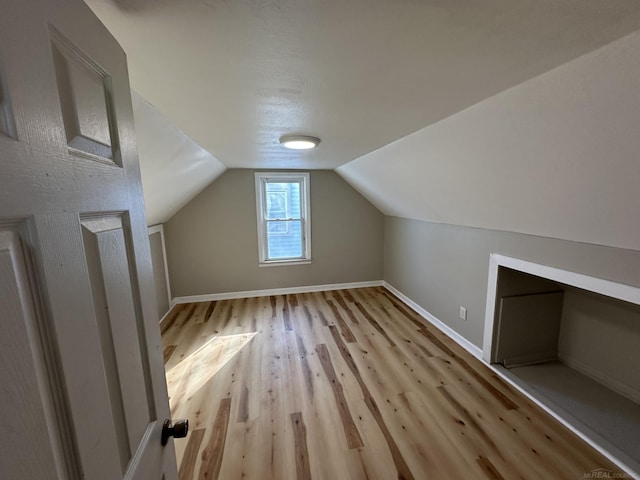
[282, 263]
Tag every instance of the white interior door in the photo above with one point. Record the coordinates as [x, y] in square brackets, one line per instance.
[81, 375]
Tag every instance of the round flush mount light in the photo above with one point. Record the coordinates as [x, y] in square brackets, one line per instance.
[299, 142]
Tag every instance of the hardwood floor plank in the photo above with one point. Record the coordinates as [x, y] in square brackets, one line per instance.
[167, 352]
[286, 316]
[303, 471]
[350, 430]
[200, 312]
[375, 324]
[306, 369]
[323, 319]
[190, 458]
[171, 318]
[403, 470]
[489, 469]
[344, 328]
[243, 408]
[292, 298]
[338, 298]
[227, 313]
[467, 419]
[185, 314]
[349, 384]
[308, 315]
[212, 456]
[210, 309]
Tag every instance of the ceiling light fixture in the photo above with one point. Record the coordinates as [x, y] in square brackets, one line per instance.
[299, 142]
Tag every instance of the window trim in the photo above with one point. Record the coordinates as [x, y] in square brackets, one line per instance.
[261, 179]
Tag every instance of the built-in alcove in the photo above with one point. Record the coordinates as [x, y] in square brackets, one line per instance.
[572, 342]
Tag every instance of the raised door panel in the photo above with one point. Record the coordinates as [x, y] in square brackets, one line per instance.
[30, 422]
[7, 126]
[86, 102]
[109, 264]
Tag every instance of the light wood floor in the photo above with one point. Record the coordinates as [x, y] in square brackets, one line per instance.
[348, 384]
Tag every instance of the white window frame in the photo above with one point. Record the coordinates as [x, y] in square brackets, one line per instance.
[262, 178]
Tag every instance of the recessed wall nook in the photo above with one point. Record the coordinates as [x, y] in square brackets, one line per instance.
[570, 341]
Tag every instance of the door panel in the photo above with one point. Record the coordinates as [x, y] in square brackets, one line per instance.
[28, 420]
[108, 262]
[82, 368]
[6, 115]
[86, 101]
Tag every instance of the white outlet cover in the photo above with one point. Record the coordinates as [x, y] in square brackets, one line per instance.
[463, 313]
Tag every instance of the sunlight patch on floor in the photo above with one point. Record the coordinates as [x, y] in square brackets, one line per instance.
[192, 373]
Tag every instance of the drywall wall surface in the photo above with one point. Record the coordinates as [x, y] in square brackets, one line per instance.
[442, 267]
[556, 156]
[159, 273]
[599, 336]
[212, 243]
[173, 167]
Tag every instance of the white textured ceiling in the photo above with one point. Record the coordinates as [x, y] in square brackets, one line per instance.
[234, 75]
[516, 115]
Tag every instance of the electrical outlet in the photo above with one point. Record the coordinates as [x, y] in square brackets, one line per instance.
[463, 313]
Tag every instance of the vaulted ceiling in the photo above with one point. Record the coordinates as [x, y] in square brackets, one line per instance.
[236, 75]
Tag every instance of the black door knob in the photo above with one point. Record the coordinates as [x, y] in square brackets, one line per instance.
[177, 430]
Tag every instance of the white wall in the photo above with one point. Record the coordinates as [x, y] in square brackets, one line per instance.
[556, 156]
[173, 167]
[599, 336]
[442, 267]
[212, 243]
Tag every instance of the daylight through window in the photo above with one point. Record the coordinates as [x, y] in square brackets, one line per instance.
[282, 203]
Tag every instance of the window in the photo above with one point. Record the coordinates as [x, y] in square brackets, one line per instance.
[284, 228]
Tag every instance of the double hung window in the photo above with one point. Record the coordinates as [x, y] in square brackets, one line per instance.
[284, 229]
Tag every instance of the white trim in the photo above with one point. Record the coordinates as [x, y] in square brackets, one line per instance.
[605, 287]
[160, 229]
[304, 179]
[284, 263]
[489, 313]
[459, 339]
[606, 380]
[164, 317]
[274, 291]
[517, 384]
[620, 291]
[154, 229]
[508, 378]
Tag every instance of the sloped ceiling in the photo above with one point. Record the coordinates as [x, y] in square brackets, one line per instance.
[174, 168]
[556, 156]
[236, 75]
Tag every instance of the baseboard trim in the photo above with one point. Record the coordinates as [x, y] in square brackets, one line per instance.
[163, 317]
[274, 291]
[450, 332]
[565, 418]
[504, 375]
[615, 385]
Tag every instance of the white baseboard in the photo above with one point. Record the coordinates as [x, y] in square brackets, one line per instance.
[591, 438]
[511, 380]
[163, 317]
[274, 291]
[615, 385]
[450, 332]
